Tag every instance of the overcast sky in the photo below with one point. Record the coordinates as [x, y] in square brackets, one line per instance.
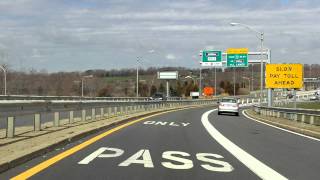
[71, 35]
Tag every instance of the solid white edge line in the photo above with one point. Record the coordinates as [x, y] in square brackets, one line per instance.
[256, 166]
[286, 130]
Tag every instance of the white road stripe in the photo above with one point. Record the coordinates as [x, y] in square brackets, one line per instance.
[286, 130]
[256, 166]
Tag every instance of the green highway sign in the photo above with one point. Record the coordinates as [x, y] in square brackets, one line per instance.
[237, 57]
[211, 58]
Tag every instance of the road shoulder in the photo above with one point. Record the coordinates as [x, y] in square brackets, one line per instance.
[294, 126]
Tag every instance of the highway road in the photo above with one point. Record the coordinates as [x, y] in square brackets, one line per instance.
[187, 144]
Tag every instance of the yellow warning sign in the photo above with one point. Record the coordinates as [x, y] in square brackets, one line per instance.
[237, 51]
[288, 76]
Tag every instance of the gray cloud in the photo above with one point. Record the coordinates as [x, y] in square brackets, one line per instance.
[83, 34]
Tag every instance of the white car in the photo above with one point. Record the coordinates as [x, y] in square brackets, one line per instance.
[314, 98]
[228, 105]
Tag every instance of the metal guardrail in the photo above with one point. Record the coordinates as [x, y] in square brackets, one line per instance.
[78, 98]
[253, 94]
[82, 110]
[71, 109]
[308, 116]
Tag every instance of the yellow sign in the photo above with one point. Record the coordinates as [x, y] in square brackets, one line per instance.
[288, 76]
[237, 51]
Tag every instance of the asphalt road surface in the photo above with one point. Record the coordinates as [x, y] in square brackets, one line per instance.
[187, 144]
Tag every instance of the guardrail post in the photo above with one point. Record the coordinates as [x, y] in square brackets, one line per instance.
[93, 114]
[115, 111]
[71, 117]
[303, 118]
[56, 121]
[311, 119]
[83, 115]
[121, 110]
[37, 122]
[101, 113]
[10, 127]
[109, 112]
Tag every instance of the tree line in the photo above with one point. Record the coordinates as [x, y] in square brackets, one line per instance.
[122, 82]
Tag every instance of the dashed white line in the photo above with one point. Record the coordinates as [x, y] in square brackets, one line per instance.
[256, 166]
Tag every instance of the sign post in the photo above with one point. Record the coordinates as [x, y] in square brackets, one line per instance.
[212, 58]
[168, 75]
[237, 57]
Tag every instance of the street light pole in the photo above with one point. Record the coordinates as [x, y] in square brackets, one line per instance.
[261, 63]
[4, 79]
[261, 37]
[137, 85]
[251, 78]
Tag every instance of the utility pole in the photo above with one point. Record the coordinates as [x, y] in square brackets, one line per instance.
[4, 79]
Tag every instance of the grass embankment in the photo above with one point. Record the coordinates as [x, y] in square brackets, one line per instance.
[306, 105]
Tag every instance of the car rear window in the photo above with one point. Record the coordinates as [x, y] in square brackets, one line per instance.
[229, 100]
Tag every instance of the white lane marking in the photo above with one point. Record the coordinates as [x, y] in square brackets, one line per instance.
[185, 124]
[136, 159]
[256, 166]
[286, 130]
[182, 162]
[98, 153]
[165, 123]
[222, 165]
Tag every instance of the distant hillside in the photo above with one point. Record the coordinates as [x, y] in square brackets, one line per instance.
[122, 82]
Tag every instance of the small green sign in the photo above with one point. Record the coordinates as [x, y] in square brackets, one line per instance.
[237, 60]
[211, 58]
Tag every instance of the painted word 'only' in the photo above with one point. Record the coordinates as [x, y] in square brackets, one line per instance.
[177, 160]
[164, 123]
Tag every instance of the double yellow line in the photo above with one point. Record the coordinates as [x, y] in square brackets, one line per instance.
[36, 169]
